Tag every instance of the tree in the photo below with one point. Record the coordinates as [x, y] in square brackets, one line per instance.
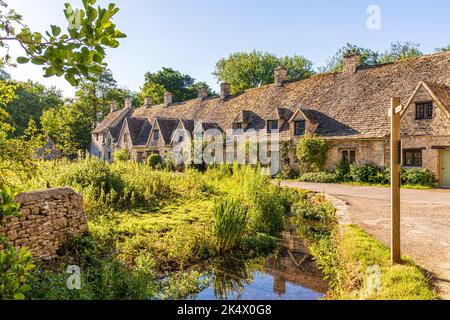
[254, 69]
[443, 49]
[95, 97]
[69, 128]
[77, 54]
[182, 86]
[400, 51]
[336, 62]
[31, 99]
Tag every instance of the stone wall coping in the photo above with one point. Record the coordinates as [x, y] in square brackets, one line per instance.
[39, 195]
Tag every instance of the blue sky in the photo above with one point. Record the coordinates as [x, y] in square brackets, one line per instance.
[191, 36]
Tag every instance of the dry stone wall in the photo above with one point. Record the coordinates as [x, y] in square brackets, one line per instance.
[48, 218]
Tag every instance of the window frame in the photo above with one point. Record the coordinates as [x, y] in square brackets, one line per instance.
[238, 126]
[425, 110]
[270, 125]
[349, 152]
[303, 122]
[414, 152]
[156, 135]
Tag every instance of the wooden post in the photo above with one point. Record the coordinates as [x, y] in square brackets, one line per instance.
[395, 180]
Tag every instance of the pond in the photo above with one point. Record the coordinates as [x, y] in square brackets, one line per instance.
[289, 273]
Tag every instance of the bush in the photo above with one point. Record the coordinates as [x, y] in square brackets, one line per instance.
[312, 153]
[121, 155]
[417, 177]
[323, 212]
[154, 161]
[15, 270]
[230, 224]
[368, 173]
[319, 177]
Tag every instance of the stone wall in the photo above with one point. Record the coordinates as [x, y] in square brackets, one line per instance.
[367, 151]
[48, 218]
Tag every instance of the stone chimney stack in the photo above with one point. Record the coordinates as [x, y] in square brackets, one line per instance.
[225, 90]
[202, 93]
[147, 103]
[128, 103]
[280, 75]
[167, 98]
[351, 63]
[113, 106]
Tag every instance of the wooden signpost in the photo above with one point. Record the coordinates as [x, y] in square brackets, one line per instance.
[395, 114]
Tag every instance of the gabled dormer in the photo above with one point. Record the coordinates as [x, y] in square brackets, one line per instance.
[124, 141]
[276, 120]
[241, 122]
[162, 132]
[300, 124]
[183, 132]
[427, 111]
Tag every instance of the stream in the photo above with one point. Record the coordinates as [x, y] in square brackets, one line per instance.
[289, 273]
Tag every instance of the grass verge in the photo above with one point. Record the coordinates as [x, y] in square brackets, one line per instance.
[358, 267]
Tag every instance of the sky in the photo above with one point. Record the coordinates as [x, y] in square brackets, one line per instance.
[190, 36]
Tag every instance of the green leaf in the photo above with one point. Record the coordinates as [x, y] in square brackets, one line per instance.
[56, 31]
[23, 60]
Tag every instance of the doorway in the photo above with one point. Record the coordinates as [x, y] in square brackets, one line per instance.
[445, 168]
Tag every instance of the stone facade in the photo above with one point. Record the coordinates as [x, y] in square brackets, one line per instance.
[48, 218]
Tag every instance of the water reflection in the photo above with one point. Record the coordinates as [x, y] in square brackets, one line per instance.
[287, 274]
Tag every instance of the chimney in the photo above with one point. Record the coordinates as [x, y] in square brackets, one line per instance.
[202, 93]
[128, 103]
[167, 98]
[280, 75]
[113, 106]
[351, 63]
[225, 90]
[147, 103]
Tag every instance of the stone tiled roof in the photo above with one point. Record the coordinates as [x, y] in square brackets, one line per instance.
[110, 122]
[343, 105]
[441, 92]
[167, 126]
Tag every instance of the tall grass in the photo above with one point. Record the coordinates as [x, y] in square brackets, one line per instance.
[230, 224]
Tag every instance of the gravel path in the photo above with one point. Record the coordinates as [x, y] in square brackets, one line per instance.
[425, 222]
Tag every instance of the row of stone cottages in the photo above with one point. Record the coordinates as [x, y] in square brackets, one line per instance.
[349, 107]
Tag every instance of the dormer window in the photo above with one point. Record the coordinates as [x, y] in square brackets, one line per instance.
[272, 125]
[424, 110]
[156, 135]
[125, 138]
[299, 128]
[237, 126]
[180, 139]
[108, 142]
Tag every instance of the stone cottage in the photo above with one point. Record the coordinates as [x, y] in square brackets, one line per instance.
[350, 108]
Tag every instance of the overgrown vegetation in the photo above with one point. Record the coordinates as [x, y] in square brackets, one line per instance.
[312, 153]
[147, 223]
[372, 175]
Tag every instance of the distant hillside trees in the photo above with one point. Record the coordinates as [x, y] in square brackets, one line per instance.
[254, 69]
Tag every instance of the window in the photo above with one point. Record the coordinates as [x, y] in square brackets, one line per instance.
[237, 126]
[156, 135]
[96, 137]
[412, 158]
[140, 157]
[272, 125]
[299, 128]
[424, 110]
[180, 138]
[100, 155]
[349, 156]
[109, 155]
[108, 142]
[125, 138]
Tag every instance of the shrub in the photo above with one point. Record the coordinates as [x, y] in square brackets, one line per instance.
[369, 173]
[15, 270]
[312, 153]
[417, 177]
[342, 172]
[230, 224]
[258, 244]
[154, 161]
[319, 177]
[121, 155]
[8, 207]
[323, 212]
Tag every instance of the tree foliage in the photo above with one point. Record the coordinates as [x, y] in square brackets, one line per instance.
[77, 54]
[250, 70]
[397, 51]
[443, 49]
[182, 86]
[30, 100]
